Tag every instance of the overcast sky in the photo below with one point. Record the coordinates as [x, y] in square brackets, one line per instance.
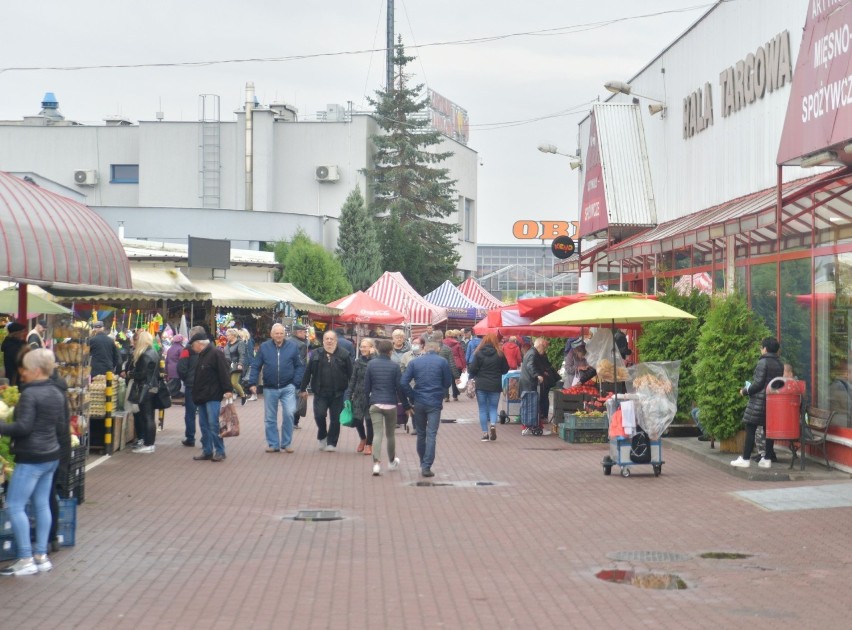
[519, 78]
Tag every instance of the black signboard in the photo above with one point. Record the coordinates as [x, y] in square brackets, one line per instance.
[563, 247]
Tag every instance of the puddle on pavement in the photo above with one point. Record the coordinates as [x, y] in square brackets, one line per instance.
[724, 555]
[656, 581]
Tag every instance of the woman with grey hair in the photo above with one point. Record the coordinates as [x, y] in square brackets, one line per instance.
[40, 416]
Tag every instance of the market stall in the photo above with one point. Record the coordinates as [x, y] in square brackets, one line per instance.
[462, 312]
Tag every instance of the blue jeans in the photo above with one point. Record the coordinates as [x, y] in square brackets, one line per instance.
[189, 415]
[31, 481]
[208, 421]
[487, 402]
[426, 423]
[286, 396]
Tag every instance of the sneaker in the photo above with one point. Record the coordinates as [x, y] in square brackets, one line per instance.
[289, 449]
[394, 465]
[43, 563]
[427, 472]
[331, 448]
[484, 438]
[188, 442]
[270, 449]
[322, 444]
[144, 449]
[492, 432]
[377, 469]
[764, 463]
[218, 457]
[739, 462]
[243, 400]
[253, 398]
[203, 457]
[24, 566]
[138, 443]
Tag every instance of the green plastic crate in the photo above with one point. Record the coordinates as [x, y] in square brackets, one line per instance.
[583, 436]
[585, 422]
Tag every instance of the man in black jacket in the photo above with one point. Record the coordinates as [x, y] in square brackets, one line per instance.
[328, 375]
[186, 371]
[212, 383]
[103, 352]
[300, 338]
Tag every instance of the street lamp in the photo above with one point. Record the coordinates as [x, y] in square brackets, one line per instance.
[619, 87]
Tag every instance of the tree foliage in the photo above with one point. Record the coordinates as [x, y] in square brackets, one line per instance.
[727, 351]
[412, 196]
[357, 244]
[314, 270]
[677, 340]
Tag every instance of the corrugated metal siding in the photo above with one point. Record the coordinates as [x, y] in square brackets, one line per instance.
[624, 159]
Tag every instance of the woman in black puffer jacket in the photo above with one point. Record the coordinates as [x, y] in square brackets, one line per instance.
[358, 397]
[488, 367]
[769, 366]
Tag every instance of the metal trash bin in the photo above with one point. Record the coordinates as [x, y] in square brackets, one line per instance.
[783, 408]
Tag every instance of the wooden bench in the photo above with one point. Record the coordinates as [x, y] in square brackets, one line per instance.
[814, 433]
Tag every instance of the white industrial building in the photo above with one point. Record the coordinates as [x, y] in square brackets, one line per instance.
[249, 181]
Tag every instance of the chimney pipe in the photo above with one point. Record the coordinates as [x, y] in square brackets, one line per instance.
[249, 161]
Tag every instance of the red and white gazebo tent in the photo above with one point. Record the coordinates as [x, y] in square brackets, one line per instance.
[475, 293]
[360, 308]
[393, 290]
[56, 243]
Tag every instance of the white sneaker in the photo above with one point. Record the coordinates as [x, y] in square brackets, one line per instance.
[253, 397]
[21, 567]
[739, 462]
[764, 463]
[144, 449]
[322, 444]
[331, 448]
[43, 563]
[377, 469]
[394, 465]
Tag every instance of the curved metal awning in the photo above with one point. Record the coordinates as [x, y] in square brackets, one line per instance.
[233, 294]
[51, 241]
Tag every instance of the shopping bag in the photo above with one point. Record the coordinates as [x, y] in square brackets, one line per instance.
[463, 380]
[302, 407]
[229, 421]
[346, 415]
[470, 390]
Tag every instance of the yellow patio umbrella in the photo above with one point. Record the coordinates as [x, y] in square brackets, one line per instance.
[36, 305]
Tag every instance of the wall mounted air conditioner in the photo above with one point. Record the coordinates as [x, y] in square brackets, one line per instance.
[85, 177]
[327, 174]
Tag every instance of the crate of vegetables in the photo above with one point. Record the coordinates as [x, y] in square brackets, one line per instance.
[586, 420]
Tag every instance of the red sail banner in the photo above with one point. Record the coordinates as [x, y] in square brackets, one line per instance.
[593, 214]
[819, 114]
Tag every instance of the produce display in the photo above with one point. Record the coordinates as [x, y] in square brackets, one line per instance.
[97, 397]
[576, 390]
[71, 352]
[605, 372]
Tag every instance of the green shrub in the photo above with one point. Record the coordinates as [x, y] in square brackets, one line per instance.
[727, 351]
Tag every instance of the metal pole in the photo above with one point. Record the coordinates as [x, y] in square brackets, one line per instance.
[389, 61]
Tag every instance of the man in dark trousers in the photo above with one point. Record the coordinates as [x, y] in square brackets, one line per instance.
[300, 338]
[328, 373]
[11, 348]
[212, 383]
[187, 361]
[103, 351]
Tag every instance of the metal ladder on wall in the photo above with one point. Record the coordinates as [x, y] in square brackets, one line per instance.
[210, 151]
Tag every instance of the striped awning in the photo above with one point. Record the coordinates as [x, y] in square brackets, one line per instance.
[393, 290]
[456, 302]
[476, 294]
[51, 241]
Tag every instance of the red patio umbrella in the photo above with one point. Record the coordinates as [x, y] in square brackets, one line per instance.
[360, 308]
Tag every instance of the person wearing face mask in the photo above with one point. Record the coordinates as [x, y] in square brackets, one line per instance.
[416, 350]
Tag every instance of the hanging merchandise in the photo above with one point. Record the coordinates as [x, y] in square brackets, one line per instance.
[182, 329]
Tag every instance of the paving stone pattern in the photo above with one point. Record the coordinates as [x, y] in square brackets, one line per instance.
[167, 542]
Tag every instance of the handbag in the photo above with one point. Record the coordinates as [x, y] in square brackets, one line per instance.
[302, 407]
[346, 414]
[161, 396]
[470, 390]
[229, 421]
[135, 392]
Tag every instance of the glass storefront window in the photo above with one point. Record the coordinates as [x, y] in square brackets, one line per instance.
[796, 316]
[833, 317]
[764, 290]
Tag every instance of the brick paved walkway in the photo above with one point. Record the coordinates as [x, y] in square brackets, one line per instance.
[166, 542]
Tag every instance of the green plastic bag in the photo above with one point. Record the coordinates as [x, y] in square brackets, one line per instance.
[346, 414]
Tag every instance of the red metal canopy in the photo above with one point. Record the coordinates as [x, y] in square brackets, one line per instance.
[52, 241]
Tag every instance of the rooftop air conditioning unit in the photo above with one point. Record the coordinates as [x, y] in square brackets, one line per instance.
[327, 174]
[84, 177]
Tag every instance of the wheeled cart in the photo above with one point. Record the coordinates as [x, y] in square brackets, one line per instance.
[511, 396]
[620, 451]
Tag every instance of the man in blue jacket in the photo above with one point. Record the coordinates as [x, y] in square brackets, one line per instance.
[432, 376]
[282, 368]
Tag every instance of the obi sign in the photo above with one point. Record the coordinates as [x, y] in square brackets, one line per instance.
[544, 230]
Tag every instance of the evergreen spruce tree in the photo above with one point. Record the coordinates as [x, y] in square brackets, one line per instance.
[357, 244]
[412, 196]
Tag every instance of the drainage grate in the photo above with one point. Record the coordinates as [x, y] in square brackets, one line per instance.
[724, 555]
[648, 556]
[318, 515]
[485, 483]
[430, 484]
